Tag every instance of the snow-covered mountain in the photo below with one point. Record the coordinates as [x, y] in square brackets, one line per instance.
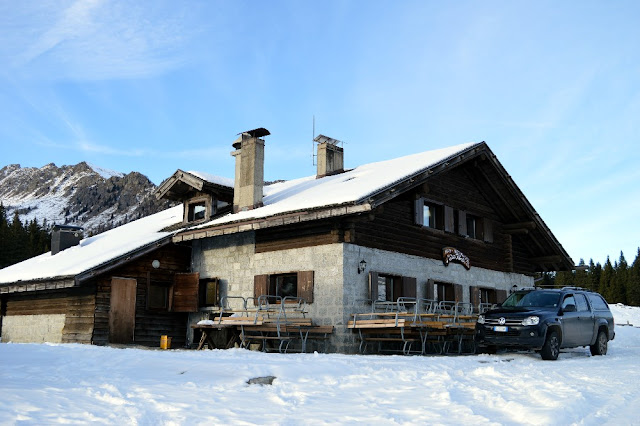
[84, 195]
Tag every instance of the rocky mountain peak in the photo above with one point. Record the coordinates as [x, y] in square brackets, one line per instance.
[83, 195]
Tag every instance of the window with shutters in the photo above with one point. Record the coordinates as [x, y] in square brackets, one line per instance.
[284, 285]
[443, 291]
[388, 288]
[430, 214]
[290, 284]
[209, 292]
[472, 226]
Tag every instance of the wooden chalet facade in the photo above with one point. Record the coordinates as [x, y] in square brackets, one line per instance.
[451, 228]
[132, 298]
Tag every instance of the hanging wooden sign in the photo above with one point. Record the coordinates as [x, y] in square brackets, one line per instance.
[450, 254]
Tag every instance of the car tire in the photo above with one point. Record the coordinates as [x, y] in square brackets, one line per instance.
[600, 347]
[551, 348]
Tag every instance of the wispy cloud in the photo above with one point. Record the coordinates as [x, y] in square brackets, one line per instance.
[93, 39]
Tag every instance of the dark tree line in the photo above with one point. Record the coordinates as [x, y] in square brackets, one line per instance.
[20, 241]
[618, 282]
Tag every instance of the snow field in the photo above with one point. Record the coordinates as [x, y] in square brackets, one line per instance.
[79, 384]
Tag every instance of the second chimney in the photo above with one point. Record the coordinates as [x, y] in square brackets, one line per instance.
[330, 156]
[249, 179]
[64, 236]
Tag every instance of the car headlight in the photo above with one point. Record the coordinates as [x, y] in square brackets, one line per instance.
[531, 320]
[480, 319]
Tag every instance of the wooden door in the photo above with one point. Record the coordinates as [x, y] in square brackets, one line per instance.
[122, 314]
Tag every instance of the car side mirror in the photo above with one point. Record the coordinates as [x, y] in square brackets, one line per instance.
[569, 308]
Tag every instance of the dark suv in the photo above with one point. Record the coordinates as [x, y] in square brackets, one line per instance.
[547, 320]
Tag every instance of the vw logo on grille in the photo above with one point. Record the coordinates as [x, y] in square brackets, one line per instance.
[502, 321]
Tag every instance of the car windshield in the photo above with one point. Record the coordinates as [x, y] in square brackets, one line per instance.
[540, 299]
[513, 300]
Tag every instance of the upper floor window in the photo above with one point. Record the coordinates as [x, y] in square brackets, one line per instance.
[196, 211]
[429, 214]
[472, 226]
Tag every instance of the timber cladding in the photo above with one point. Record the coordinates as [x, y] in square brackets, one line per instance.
[76, 304]
[149, 324]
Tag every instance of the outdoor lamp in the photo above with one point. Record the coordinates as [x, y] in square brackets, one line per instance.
[361, 266]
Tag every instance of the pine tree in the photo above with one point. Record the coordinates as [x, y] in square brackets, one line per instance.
[564, 279]
[619, 282]
[595, 271]
[633, 289]
[580, 277]
[604, 287]
[4, 238]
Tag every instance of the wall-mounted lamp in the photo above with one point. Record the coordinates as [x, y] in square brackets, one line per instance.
[155, 264]
[514, 288]
[362, 266]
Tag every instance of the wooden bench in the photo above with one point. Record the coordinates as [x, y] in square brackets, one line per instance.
[285, 332]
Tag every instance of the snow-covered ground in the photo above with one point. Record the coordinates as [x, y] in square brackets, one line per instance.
[47, 384]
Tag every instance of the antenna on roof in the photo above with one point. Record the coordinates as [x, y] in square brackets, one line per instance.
[313, 146]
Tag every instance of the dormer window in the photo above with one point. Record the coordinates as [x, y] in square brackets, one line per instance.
[197, 211]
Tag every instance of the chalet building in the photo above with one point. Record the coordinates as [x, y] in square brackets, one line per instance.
[446, 224]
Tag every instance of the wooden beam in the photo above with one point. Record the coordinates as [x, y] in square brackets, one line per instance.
[546, 259]
[530, 225]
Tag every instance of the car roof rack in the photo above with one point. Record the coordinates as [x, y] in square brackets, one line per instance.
[573, 288]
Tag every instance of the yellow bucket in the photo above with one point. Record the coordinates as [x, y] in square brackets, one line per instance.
[165, 342]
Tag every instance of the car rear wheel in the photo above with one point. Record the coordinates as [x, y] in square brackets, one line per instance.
[600, 347]
[551, 348]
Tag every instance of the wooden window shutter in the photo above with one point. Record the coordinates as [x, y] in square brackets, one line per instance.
[260, 287]
[409, 287]
[462, 223]
[212, 292]
[185, 294]
[474, 297]
[430, 292]
[501, 295]
[449, 220]
[373, 286]
[419, 211]
[488, 230]
[457, 288]
[305, 285]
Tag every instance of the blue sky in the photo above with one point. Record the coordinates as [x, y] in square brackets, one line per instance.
[552, 87]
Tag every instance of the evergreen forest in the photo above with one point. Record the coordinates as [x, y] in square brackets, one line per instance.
[20, 241]
[618, 282]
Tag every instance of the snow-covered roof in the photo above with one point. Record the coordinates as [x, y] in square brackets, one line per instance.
[94, 251]
[218, 180]
[345, 188]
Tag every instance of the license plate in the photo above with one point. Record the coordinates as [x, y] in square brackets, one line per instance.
[501, 328]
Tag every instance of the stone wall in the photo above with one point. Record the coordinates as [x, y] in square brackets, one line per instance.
[233, 260]
[33, 328]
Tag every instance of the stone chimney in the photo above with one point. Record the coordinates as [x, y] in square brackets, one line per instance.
[64, 236]
[249, 179]
[330, 156]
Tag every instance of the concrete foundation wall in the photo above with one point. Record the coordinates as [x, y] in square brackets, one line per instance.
[33, 328]
[339, 290]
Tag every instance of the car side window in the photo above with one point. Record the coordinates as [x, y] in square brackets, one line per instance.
[597, 302]
[568, 300]
[581, 303]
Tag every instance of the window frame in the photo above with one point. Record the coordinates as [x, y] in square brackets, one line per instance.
[210, 207]
[152, 287]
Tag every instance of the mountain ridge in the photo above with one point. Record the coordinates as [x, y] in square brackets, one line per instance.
[83, 194]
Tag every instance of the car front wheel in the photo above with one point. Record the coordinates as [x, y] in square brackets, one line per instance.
[600, 347]
[551, 348]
